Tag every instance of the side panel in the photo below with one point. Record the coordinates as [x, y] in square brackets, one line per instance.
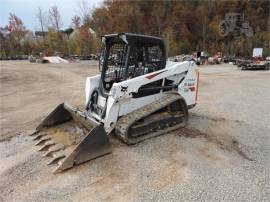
[112, 114]
[189, 87]
[90, 84]
[132, 104]
[125, 89]
[121, 101]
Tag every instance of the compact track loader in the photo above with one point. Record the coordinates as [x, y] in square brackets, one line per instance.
[137, 96]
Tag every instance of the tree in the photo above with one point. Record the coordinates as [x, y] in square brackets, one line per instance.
[171, 46]
[16, 26]
[185, 26]
[4, 45]
[84, 12]
[17, 31]
[55, 18]
[76, 22]
[42, 18]
[53, 43]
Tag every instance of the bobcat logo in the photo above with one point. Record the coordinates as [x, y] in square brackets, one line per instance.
[124, 88]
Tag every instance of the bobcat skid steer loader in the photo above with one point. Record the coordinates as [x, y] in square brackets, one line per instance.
[137, 96]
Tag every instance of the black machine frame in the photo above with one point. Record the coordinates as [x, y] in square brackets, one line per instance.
[128, 55]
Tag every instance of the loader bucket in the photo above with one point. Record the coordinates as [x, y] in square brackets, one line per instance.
[69, 137]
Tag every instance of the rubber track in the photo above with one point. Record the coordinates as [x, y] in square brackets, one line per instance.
[124, 123]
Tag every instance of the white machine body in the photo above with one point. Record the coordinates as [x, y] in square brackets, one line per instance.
[121, 102]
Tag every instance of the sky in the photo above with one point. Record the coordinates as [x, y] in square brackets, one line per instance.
[26, 10]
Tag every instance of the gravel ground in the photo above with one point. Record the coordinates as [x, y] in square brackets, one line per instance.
[222, 155]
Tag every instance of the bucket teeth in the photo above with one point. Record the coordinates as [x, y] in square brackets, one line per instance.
[56, 170]
[56, 157]
[42, 140]
[34, 133]
[37, 137]
[53, 149]
[68, 137]
[46, 145]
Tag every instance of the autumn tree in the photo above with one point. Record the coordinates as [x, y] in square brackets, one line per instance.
[56, 42]
[52, 44]
[4, 42]
[16, 26]
[17, 31]
[55, 18]
[42, 18]
[84, 12]
[186, 26]
[75, 22]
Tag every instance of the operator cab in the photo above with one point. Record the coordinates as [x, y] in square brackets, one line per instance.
[125, 56]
